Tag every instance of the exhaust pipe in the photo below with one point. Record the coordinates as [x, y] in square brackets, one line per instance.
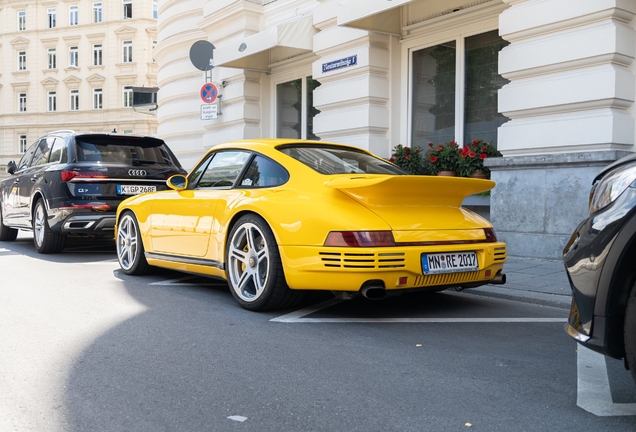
[374, 292]
[499, 279]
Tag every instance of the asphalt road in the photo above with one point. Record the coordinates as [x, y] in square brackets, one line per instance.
[88, 348]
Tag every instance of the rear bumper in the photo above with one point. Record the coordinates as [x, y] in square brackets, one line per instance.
[348, 269]
[82, 222]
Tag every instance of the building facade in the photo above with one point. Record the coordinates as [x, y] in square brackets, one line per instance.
[550, 82]
[72, 65]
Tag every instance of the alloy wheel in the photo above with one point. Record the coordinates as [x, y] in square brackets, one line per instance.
[127, 242]
[249, 262]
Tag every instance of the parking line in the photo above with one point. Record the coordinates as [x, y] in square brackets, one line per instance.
[297, 317]
[593, 389]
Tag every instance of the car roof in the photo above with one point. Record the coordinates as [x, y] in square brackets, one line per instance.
[272, 143]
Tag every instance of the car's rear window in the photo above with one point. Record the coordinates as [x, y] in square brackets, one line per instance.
[126, 150]
[338, 160]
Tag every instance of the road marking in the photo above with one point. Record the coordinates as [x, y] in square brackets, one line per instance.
[297, 317]
[238, 418]
[593, 389]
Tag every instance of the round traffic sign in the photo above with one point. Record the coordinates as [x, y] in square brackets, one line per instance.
[208, 93]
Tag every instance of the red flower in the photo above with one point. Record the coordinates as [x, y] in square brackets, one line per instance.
[406, 149]
[407, 157]
[475, 141]
[453, 143]
[433, 159]
[483, 156]
[430, 145]
[472, 154]
[484, 150]
[391, 160]
[440, 148]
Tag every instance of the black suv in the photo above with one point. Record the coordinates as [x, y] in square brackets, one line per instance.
[69, 183]
[599, 259]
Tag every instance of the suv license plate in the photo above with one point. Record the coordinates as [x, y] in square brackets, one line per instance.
[449, 262]
[134, 189]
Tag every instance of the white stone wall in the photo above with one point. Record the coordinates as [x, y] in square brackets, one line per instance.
[572, 87]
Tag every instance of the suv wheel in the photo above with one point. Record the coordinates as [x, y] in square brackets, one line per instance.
[46, 240]
[6, 233]
[630, 332]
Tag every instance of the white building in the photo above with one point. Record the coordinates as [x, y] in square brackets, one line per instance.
[72, 64]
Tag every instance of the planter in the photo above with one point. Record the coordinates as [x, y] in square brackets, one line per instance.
[446, 173]
[479, 174]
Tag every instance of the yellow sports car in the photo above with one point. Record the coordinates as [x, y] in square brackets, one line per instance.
[275, 217]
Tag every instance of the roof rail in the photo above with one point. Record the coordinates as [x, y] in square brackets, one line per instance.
[60, 131]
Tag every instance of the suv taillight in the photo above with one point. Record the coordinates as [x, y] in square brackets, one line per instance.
[69, 175]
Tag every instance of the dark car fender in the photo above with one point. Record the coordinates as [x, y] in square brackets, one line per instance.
[616, 280]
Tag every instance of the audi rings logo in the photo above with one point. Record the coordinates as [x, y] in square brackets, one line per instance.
[137, 173]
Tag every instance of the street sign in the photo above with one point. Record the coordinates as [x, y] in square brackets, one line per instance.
[208, 93]
[209, 112]
[202, 55]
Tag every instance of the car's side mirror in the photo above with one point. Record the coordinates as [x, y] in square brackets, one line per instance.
[177, 182]
[11, 167]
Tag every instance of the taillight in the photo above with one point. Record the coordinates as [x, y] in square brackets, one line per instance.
[69, 175]
[490, 235]
[360, 238]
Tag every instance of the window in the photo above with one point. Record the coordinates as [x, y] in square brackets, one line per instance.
[329, 160]
[455, 99]
[52, 101]
[21, 21]
[74, 100]
[295, 109]
[97, 12]
[128, 96]
[51, 18]
[127, 9]
[154, 45]
[223, 169]
[22, 143]
[97, 99]
[22, 100]
[73, 15]
[26, 159]
[97, 55]
[58, 151]
[42, 152]
[51, 58]
[155, 9]
[21, 60]
[263, 172]
[127, 51]
[72, 57]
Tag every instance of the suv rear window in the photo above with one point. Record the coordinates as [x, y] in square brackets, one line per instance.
[126, 150]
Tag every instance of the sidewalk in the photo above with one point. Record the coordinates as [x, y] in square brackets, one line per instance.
[533, 280]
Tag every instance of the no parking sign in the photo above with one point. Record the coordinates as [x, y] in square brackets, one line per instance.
[208, 93]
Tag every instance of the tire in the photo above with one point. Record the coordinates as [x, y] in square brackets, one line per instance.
[254, 268]
[630, 332]
[6, 233]
[46, 240]
[130, 247]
